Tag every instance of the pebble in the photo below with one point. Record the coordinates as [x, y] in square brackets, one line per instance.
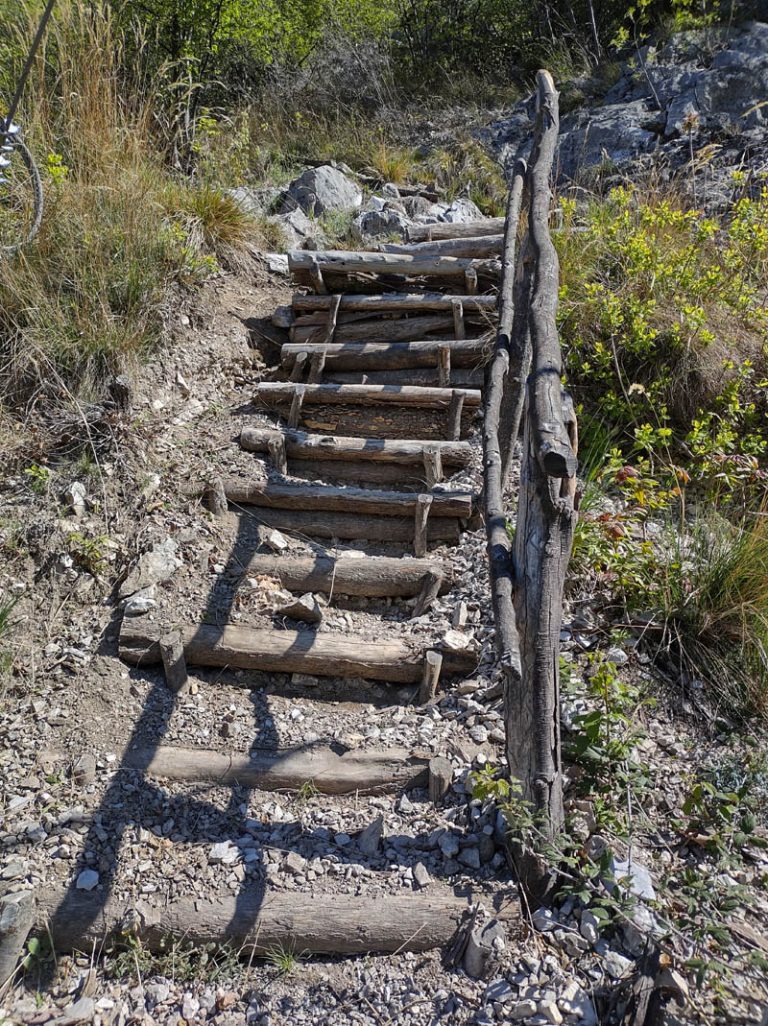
[421, 876]
[87, 880]
[616, 965]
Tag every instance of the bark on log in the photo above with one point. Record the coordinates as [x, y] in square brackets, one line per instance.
[502, 571]
[544, 394]
[337, 261]
[390, 355]
[393, 302]
[286, 651]
[402, 329]
[271, 392]
[477, 247]
[254, 923]
[546, 516]
[341, 526]
[270, 495]
[374, 576]
[365, 475]
[368, 772]
[467, 230]
[17, 915]
[334, 447]
[426, 377]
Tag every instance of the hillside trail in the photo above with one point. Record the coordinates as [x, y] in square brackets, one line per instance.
[312, 674]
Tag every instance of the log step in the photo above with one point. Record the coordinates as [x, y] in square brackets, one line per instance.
[356, 527]
[302, 444]
[393, 302]
[371, 576]
[426, 376]
[389, 355]
[310, 263]
[276, 392]
[366, 772]
[330, 499]
[469, 229]
[476, 247]
[287, 651]
[256, 923]
[403, 329]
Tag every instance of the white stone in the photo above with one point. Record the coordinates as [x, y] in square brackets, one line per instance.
[87, 880]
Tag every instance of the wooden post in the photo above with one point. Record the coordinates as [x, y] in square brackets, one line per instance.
[546, 515]
[433, 662]
[431, 585]
[294, 414]
[316, 276]
[333, 316]
[433, 465]
[276, 448]
[459, 329]
[217, 497]
[174, 663]
[440, 778]
[17, 915]
[455, 410]
[502, 571]
[444, 366]
[299, 363]
[470, 280]
[423, 504]
[316, 366]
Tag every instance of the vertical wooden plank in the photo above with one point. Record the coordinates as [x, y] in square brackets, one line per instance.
[423, 504]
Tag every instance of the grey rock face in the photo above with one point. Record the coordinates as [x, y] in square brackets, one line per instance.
[382, 222]
[322, 189]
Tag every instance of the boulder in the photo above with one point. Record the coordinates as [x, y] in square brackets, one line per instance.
[381, 222]
[320, 190]
[463, 210]
[298, 229]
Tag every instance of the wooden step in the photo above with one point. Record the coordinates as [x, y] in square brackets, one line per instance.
[330, 499]
[390, 355]
[385, 407]
[256, 922]
[372, 576]
[425, 376]
[469, 229]
[378, 330]
[394, 302]
[311, 264]
[274, 392]
[476, 247]
[398, 531]
[366, 772]
[288, 651]
[304, 445]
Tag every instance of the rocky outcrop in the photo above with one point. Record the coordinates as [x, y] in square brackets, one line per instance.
[705, 88]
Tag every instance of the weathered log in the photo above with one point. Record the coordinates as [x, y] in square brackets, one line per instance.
[546, 515]
[425, 377]
[478, 247]
[271, 392]
[390, 355]
[370, 771]
[401, 329]
[366, 474]
[172, 655]
[394, 302]
[544, 392]
[502, 572]
[286, 651]
[440, 778]
[17, 916]
[254, 923]
[273, 495]
[445, 230]
[430, 678]
[337, 261]
[336, 447]
[341, 526]
[374, 576]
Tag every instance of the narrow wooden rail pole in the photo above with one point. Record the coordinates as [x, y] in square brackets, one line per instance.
[546, 514]
[499, 541]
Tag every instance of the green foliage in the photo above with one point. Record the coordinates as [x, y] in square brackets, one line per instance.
[284, 959]
[88, 552]
[39, 478]
[128, 959]
[664, 323]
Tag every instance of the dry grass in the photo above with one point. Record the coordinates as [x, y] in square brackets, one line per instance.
[87, 298]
